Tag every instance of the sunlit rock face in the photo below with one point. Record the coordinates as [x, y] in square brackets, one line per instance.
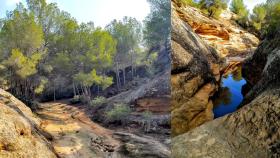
[195, 73]
[227, 37]
[20, 135]
[254, 130]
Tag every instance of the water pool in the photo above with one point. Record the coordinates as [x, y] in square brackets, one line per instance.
[229, 95]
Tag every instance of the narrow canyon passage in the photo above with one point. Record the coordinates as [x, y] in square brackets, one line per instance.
[74, 134]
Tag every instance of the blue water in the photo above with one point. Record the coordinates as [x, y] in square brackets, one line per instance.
[229, 95]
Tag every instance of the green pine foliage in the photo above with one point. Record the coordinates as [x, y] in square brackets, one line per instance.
[128, 35]
[238, 7]
[187, 2]
[44, 50]
[258, 16]
[272, 17]
[213, 8]
[265, 18]
[157, 23]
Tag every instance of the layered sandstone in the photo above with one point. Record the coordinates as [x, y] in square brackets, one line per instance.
[227, 37]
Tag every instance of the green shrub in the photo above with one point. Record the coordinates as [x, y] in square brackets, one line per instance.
[85, 99]
[97, 101]
[238, 7]
[213, 7]
[119, 113]
[187, 2]
[75, 100]
[273, 18]
[146, 123]
[258, 16]
[80, 99]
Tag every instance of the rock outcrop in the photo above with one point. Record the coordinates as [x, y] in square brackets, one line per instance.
[159, 105]
[158, 86]
[227, 37]
[262, 68]
[140, 147]
[252, 131]
[194, 76]
[20, 134]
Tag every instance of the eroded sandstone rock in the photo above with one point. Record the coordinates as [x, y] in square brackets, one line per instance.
[20, 135]
[254, 130]
[195, 73]
[251, 132]
[227, 37]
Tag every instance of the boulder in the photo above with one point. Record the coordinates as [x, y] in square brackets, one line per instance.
[251, 132]
[138, 147]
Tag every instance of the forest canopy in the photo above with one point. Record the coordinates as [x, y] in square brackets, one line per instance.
[44, 50]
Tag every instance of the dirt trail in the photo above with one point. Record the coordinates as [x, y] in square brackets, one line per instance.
[74, 134]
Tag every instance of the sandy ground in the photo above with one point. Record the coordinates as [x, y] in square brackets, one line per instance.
[74, 134]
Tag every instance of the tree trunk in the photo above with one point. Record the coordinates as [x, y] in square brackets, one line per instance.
[82, 89]
[117, 80]
[77, 88]
[74, 89]
[97, 90]
[89, 91]
[118, 76]
[124, 77]
[25, 88]
[54, 98]
[85, 91]
[132, 71]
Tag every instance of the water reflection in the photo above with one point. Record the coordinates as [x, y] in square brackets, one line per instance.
[237, 74]
[229, 96]
[223, 96]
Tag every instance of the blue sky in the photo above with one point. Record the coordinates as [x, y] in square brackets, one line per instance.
[101, 12]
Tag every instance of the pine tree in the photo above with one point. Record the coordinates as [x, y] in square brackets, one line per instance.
[213, 7]
[239, 8]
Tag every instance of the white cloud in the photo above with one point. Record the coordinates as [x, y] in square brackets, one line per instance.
[12, 2]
